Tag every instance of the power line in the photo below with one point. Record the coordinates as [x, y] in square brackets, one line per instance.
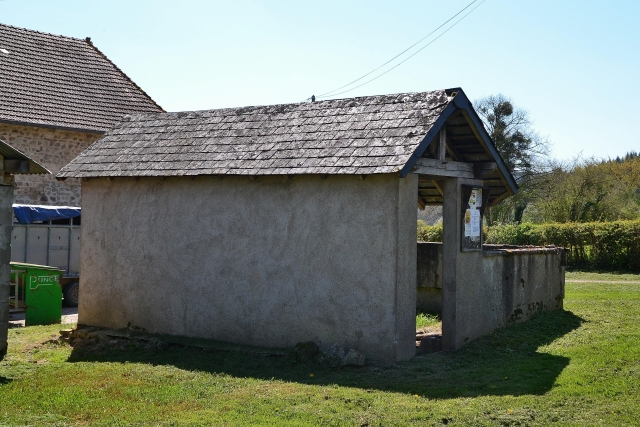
[409, 48]
[325, 95]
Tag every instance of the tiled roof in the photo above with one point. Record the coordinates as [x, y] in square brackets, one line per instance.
[375, 134]
[63, 82]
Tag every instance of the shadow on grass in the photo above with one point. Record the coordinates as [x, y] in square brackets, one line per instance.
[5, 380]
[504, 363]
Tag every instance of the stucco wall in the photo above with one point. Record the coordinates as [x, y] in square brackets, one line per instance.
[6, 199]
[268, 262]
[495, 287]
[52, 148]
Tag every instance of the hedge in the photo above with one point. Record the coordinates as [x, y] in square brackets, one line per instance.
[601, 245]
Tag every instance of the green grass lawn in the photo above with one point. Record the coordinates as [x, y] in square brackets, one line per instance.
[605, 277]
[576, 367]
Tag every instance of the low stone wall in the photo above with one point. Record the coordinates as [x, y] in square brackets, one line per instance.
[512, 283]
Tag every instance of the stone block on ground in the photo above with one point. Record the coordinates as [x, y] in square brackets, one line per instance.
[332, 357]
[353, 358]
[306, 351]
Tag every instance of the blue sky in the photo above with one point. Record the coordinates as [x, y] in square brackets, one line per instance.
[575, 66]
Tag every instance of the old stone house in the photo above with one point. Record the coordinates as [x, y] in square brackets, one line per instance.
[58, 95]
[277, 224]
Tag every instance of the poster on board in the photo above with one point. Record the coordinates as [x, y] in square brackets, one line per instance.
[472, 221]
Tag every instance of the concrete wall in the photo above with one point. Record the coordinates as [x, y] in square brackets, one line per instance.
[268, 262]
[503, 287]
[429, 280]
[485, 290]
[6, 216]
[52, 148]
[507, 285]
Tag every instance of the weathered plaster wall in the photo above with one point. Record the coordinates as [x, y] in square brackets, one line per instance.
[509, 286]
[486, 290]
[6, 215]
[52, 148]
[502, 288]
[268, 262]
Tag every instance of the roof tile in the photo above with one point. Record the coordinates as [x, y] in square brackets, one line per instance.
[64, 82]
[361, 135]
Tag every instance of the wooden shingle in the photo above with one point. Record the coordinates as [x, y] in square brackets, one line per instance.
[376, 134]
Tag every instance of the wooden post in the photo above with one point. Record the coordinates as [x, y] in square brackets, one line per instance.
[442, 148]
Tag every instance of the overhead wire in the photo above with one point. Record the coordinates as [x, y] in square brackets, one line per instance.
[401, 53]
[331, 94]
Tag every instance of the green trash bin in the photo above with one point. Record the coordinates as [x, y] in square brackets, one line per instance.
[37, 290]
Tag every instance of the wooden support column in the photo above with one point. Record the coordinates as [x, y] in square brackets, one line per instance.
[450, 250]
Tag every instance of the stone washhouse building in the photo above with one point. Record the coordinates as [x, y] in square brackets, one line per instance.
[12, 163]
[277, 224]
[58, 95]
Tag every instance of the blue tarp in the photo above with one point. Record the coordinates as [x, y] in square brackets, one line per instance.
[27, 214]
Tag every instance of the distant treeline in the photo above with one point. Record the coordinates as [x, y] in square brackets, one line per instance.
[583, 190]
[612, 246]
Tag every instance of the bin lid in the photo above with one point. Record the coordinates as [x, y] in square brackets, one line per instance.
[24, 265]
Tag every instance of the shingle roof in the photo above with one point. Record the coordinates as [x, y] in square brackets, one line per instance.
[375, 134]
[10, 153]
[64, 82]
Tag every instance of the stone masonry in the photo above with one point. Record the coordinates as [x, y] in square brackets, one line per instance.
[52, 148]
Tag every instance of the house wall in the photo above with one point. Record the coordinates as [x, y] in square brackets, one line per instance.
[52, 148]
[6, 199]
[267, 262]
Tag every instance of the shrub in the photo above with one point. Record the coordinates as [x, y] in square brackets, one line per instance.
[429, 233]
[602, 245]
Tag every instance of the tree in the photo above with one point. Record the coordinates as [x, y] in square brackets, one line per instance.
[522, 149]
[510, 127]
[586, 190]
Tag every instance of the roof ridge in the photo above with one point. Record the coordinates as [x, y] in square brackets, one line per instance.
[90, 43]
[42, 32]
[206, 110]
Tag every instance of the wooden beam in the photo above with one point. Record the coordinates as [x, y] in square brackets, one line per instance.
[15, 166]
[420, 203]
[500, 198]
[453, 153]
[482, 169]
[434, 167]
[438, 187]
[442, 147]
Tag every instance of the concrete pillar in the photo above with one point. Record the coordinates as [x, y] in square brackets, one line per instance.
[406, 267]
[450, 249]
[6, 218]
[453, 285]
